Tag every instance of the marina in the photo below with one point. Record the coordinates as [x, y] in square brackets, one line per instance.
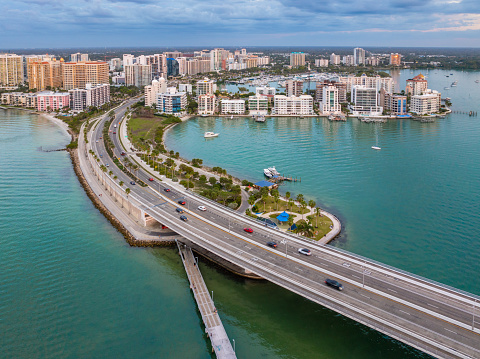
[275, 177]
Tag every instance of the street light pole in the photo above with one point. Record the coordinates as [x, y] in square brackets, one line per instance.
[286, 246]
[212, 295]
[473, 315]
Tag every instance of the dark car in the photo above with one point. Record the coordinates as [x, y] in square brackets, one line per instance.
[114, 133]
[184, 218]
[182, 202]
[167, 189]
[132, 183]
[123, 153]
[272, 244]
[150, 179]
[334, 284]
[180, 210]
[248, 230]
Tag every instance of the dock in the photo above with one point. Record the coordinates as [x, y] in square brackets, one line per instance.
[213, 325]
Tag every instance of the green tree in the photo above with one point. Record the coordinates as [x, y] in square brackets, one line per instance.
[127, 191]
[121, 183]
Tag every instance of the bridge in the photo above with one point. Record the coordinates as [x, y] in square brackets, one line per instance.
[434, 318]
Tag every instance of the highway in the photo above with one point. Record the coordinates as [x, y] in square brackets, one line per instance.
[434, 318]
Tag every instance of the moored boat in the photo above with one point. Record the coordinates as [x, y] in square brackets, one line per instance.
[210, 134]
[267, 173]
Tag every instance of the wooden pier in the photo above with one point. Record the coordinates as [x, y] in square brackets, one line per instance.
[213, 325]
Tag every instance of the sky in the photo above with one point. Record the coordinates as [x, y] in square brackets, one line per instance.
[118, 23]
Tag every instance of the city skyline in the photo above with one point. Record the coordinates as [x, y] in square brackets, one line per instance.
[40, 23]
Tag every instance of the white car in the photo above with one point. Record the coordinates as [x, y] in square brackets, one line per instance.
[305, 251]
[202, 208]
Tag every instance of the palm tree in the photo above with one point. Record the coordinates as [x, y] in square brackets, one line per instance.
[115, 177]
[127, 191]
[264, 200]
[303, 204]
[299, 198]
[120, 183]
[287, 195]
[110, 173]
[276, 198]
[318, 213]
[290, 202]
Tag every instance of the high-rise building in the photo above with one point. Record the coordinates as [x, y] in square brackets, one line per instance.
[207, 104]
[151, 91]
[297, 59]
[236, 107]
[172, 101]
[329, 103]
[44, 75]
[51, 101]
[11, 70]
[395, 59]
[206, 87]
[321, 62]
[79, 74]
[427, 103]
[78, 57]
[377, 82]
[90, 96]
[172, 67]
[334, 59]
[348, 60]
[395, 104]
[416, 86]
[115, 64]
[128, 59]
[341, 87]
[138, 75]
[293, 87]
[218, 59]
[365, 100]
[358, 56]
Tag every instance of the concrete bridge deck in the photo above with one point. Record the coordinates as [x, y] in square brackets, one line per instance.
[213, 325]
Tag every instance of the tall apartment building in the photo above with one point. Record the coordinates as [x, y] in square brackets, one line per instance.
[395, 59]
[358, 56]
[44, 75]
[329, 103]
[207, 104]
[90, 96]
[341, 87]
[293, 105]
[265, 90]
[218, 59]
[348, 60]
[372, 61]
[128, 59]
[171, 102]
[78, 57]
[426, 104]
[151, 91]
[395, 104]
[321, 62]
[115, 64]
[334, 59]
[377, 82]
[416, 86]
[297, 59]
[11, 70]
[173, 68]
[138, 75]
[206, 86]
[198, 65]
[79, 74]
[293, 87]
[365, 100]
[258, 105]
[236, 107]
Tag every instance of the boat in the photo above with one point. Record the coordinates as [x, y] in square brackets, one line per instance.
[210, 134]
[477, 81]
[204, 115]
[260, 118]
[267, 173]
[231, 117]
[454, 83]
[376, 148]
[273, 171]
[446, 88]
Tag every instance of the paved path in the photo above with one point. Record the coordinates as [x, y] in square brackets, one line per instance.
[214, 327]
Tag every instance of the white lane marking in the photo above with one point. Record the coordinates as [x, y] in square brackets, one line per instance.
[391, 290]
[356, 276]
[451, 331]
[432, 305]
[366, 296]
[404, 312]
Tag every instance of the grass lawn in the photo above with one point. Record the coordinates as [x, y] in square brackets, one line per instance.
[271, 206]
[323, 228]
[143, 128]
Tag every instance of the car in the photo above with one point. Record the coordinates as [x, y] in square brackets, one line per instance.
[101, 156]
[150, 179]
[184, 218]
[114, 133]
[166, 189]
[123, 153]
[179, 210]
[100, 138]
[107, 165]
[202, 208]
[334, 284]
[305, 251]
[97, 141]
[272, 244]
[132, 183]
[182, 202]
[248, 230]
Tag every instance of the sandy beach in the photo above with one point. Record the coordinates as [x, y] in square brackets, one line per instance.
[57, 121]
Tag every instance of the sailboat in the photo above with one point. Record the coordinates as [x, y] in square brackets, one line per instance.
[376, 147]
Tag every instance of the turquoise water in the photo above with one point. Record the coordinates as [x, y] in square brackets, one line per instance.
[70, 286]
[413, 205]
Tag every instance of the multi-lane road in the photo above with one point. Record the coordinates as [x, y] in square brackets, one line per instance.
[429, 316]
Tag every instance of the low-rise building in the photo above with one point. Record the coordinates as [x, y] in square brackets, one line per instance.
[321, 62]
[426, 104]
[206, 86]
[329, 104]
[151, 91]
[207, 104]
[171, 102]
[293, 105]
[51, 101]
[185, 88]
[258, 105]
[395, 104]
[294, 87]
[236, 107]
[90, 96]
[365, 101]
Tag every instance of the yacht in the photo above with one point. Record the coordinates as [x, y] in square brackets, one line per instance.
[231, 117]
[210, 134]
[376, 148]
[273, 171]
[260, 118]
[267, 173]
[454, 84]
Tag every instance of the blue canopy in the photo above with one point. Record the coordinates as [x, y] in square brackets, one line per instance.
[264, 184]
[283, 217]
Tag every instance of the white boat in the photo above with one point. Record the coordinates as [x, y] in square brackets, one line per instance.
[454, 84]
[376, 148]
[273, 171]
[231, 118]
[477, 81]
[204, 115]
[267, 173]
[446, 88]
[210, 134]
[260, 118]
